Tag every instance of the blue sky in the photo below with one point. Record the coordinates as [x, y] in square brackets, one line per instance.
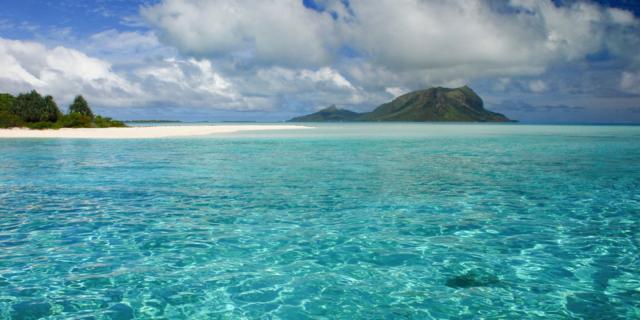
[535, 61]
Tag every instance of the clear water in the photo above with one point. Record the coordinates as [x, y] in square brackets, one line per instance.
[358, 221]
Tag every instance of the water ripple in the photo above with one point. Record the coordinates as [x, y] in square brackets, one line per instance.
[416, 223]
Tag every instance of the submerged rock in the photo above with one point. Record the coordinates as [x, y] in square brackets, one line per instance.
[473, 278]
[120, 311]
[30, 310]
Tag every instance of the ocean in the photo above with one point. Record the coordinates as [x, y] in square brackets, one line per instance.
[343, 221]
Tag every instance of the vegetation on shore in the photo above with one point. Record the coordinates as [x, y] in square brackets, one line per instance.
[32, 110]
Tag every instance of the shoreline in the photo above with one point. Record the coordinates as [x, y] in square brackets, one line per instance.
[149, 132]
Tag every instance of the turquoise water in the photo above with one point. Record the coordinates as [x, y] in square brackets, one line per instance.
[357, 221]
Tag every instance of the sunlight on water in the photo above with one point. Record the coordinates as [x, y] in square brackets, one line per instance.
[366, 221]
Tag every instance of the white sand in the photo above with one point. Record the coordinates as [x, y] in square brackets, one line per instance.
[140, 132]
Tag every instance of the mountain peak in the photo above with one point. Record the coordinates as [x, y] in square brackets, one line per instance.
[331, 108]
[328, 114]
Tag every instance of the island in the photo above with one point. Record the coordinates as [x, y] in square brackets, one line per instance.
[433, 104]
[32, 110]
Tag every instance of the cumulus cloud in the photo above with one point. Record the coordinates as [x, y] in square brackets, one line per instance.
[282, 32]
[186, 81]
[196, 83]
[293, 89]
[446, 39]
[62, 72]
[411, 34]
[285, 80]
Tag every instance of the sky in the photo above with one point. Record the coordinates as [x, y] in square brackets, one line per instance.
[538, 61]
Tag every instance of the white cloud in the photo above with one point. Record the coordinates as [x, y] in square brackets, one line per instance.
[447, 40]
[316, 87]
[326, 75]
[621, 17]
[538, 86]
[62, 72]
[114, 41]
[411, 34]
[191, 82]
[630, 82]
[128, 47]
[467, 38]
[396, 91]
[194, 83]
[282, 32]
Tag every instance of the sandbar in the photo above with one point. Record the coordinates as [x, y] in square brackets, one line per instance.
[145, 132]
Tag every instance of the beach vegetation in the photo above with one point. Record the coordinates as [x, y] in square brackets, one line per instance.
[32, 110]
[7, 118]
[32, 107]
[81, 107]
[6, 101]
[77, 120]
[106, 122]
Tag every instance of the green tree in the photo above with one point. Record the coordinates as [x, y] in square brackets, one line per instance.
[6, 102]
[32, 107]
[7, 118]
[52, 109]
[80, 106]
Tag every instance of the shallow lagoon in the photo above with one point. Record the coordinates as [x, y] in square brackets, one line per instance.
[369, 221]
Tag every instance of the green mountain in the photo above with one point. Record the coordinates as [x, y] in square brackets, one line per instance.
[330, 114]
[434, 104]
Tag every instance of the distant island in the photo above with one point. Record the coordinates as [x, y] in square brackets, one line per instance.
[433, 104]
[32, 110]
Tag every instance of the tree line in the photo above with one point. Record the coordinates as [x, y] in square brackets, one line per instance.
[34, 111]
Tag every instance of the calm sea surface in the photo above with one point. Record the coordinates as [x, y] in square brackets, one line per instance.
[355, 221]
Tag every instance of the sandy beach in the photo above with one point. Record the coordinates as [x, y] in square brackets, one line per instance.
[140, 132]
